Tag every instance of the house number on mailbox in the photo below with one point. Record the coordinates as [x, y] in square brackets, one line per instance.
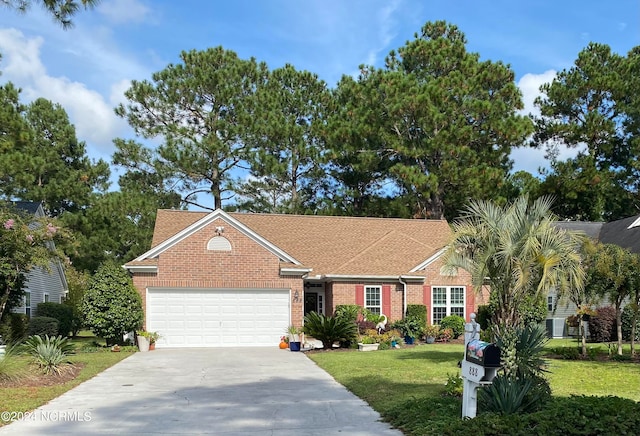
[473, 371]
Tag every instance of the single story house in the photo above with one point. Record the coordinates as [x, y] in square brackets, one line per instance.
[42, 285]
[624, 233]
[235, 279]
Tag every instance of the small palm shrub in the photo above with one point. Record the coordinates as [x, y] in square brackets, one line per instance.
[329, 329]
[521, 386]
[49, 353]
[455, 323]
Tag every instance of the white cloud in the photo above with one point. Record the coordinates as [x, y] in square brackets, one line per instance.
[527, 158]
[92, 116]
[124, 11]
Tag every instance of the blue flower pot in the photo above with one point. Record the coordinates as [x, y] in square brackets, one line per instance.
[294, 346]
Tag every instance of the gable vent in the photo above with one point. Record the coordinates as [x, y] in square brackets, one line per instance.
[636, 223]
[219, 243]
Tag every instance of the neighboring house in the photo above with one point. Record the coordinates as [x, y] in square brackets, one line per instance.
[42, 286]
[233, 279]
[624, 232]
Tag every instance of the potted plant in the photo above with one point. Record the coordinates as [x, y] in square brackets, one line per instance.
[431, 332]
[410, 328]
[284, 342]
[143, 340]
[294, 338]
[369, 341]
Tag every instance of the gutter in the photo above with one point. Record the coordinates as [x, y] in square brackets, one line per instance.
[404, 296]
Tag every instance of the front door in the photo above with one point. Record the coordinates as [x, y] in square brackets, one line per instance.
[310, 302]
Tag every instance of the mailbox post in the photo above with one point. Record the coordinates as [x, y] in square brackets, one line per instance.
[479, 366]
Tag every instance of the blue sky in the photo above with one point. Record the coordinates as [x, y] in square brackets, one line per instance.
[87, 68]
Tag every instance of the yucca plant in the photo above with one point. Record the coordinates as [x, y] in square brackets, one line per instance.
[329, 329]
[49, 353]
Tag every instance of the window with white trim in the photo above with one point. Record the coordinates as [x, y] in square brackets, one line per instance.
[373, 299]
[550, 303]
[445, 301]
[27, 303]
[45, 297]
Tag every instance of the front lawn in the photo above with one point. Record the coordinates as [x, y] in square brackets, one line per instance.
[406, 386]
[30, 394]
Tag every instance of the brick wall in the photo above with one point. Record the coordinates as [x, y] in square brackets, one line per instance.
[248, 265]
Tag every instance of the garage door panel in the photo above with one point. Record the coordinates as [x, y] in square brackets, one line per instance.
[210, 318]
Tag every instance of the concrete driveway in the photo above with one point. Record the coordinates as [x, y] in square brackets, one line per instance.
[221, 391]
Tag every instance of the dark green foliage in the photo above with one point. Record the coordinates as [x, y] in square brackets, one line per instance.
[602, 326]
[455, 323]
[42, 325]
[507, 396]
[13, 327]
[568, 353]
[112, 305]
[483, 316]
[329, 329]
[61, 312]
[409, 327]
[347, 311]
[576, 415]
[418, 312]
[77, 282]
[627, 322]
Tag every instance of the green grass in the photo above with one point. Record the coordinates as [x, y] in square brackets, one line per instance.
[27, 398]
[392, 379]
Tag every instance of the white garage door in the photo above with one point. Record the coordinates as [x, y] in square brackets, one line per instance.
[218, 318]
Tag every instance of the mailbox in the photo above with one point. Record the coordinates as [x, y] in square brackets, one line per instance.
[483, 354]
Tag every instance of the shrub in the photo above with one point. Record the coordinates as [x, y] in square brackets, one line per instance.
[483, 316]
[455, 323]
[602, 325]
[409, 327]
[454, 386]
[13, 327]
[42, 325]
[10, 368]
[418, 312]
[61, 312]
[348, 311]
[112, 305]
[568, 353]
[329, 329]
[627, 321]
[49, 353]
[363, 326]
[508, 396]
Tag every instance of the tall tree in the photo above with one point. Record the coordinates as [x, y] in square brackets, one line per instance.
[25, 243]
[614, 273]
[591, 105]
[517, 250]
[288, 146]
[448, 120]
[44, 161]
[60, 10]
[201, 110]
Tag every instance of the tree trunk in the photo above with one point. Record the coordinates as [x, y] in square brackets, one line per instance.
[619, 328]
[583, 335]
[633, 332]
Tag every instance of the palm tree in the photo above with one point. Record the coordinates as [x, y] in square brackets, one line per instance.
[517, 251]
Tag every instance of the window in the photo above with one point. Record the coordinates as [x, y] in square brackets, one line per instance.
[373, 299]
[550, 303]
[445, 301]
[45, 297]
[27, 303]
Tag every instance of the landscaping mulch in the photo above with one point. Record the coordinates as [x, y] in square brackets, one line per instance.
[36, 378]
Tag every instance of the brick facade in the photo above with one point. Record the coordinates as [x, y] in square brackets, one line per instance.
[188, 264]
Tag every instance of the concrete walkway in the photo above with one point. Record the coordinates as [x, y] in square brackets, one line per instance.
[219, 391]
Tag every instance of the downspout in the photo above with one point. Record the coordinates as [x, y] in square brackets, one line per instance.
[404, 296]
